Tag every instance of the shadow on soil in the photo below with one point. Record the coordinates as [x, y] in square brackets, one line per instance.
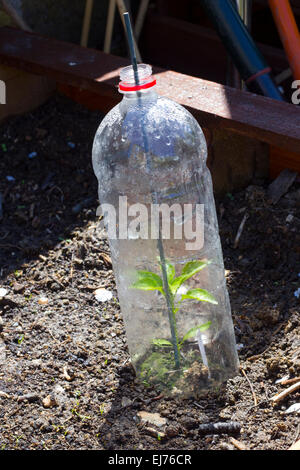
[47, 185]
[122, 428]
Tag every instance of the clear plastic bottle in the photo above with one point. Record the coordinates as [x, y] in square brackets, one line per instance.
[149, 156]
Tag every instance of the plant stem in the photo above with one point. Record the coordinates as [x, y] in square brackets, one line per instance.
[169, 299]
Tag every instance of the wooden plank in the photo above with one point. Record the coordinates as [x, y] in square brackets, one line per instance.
[214, 105]
[281, 185]
[281, 158]
[63, 61]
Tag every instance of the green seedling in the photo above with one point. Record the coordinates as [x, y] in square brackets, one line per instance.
[18, 438]
[75, 408]
[149, 281]
[20, 339]
[60, 428]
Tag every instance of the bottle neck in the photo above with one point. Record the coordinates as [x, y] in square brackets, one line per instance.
[147, 94]
[137, 83]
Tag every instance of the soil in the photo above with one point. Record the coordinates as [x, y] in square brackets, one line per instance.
[65, 376]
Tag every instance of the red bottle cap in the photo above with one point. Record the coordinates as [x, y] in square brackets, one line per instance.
[123, 86]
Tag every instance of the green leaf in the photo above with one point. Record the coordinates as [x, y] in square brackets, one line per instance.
[148, 281]
[192, 332]
[175, 284]
[201, 295]
[190, 269]
[162, 342]
[170, 270]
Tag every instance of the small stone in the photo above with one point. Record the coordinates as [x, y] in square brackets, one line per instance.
[49, 401]
[282, 379]
[226, 413]
[18, 288]
[43, 301]
[3, 292]
[295, 408]
[29, 397]
[60, 396]
[69, 376]
[189, 423]
[103, 295]
[274, 363]
[172, 431]
[289, 218]
[36, 362]
[126, 402]
[153, 419]
[153, 432]
[226, 446]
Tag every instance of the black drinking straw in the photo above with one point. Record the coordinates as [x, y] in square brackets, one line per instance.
[131, 47]
[154, 198]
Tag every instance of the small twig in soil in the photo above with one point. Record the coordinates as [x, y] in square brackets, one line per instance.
[263, 402]
[250, 385]
[290, 381]
[279, 396]
[56, 280]
[159, 397]
[199, 406]
[238, 444]
[240, 231]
